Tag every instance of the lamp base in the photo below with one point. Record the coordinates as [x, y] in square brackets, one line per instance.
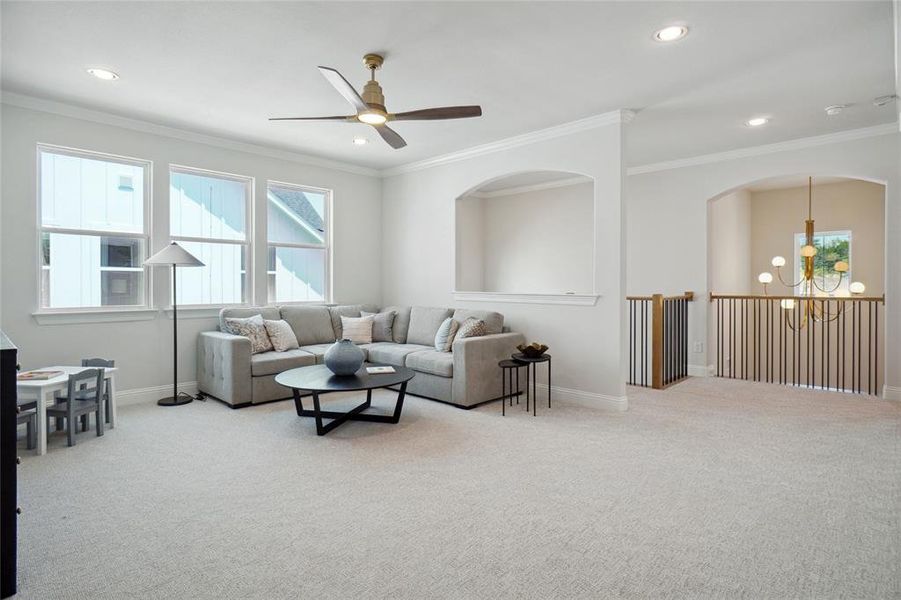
[178, 400]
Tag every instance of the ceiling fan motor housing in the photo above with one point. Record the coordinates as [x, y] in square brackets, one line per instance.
[372, 95]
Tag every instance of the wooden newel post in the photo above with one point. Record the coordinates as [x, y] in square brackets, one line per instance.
[657, 341]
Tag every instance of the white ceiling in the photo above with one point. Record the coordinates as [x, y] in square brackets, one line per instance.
[222, 68]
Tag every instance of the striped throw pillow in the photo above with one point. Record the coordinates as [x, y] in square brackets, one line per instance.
[357, 329]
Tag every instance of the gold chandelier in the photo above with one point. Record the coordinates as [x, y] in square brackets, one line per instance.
[811, 290]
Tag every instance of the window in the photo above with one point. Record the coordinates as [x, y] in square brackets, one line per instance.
[209, 217]
[93, 229]
[298, 260]
[832, 246]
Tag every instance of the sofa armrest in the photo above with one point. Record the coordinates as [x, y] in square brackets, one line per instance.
[477, 378]
[223, 367]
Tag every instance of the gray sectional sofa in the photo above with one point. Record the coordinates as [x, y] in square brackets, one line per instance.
[465, 377]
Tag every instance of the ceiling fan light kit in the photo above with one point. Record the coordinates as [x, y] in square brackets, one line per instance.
[370, 106]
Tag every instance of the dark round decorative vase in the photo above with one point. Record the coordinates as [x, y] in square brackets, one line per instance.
[344, 358]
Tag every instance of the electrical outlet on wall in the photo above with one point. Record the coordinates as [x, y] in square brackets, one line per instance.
[699, 347]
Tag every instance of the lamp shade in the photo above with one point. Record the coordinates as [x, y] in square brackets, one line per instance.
[173, 254]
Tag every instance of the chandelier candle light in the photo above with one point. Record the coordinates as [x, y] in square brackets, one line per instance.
[811, 289]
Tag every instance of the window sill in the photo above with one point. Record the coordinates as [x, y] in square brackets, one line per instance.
[201, 312]
[71, 317]
[570, 299]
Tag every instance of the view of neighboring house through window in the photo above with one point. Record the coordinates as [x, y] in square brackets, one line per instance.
[298, 269]
[208, 216]
[93, 229]
[832, 246]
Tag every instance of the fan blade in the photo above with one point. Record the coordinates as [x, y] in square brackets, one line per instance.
[389, 135]
[336, 118]
[445, 112]
[344, 88]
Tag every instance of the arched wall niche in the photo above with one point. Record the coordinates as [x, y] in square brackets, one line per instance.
[526, 233]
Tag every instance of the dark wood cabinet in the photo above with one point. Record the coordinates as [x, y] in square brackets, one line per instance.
[8, 461]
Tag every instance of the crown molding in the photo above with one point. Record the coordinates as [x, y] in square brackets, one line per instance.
[535, 187]
[601, 120]
[96, 116]
[796, 144]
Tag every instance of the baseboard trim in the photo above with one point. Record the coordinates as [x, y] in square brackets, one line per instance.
[701, 370]
[890, 392]
[617, 403]
[152, 394]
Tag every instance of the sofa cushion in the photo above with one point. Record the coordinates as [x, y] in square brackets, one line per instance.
[390, 353]
[349, 310]
[432, 361]
[494, 321]
[401, 322]
[267, 312]
[270, 363]
[311, 324]
[424, 324]
[319, 350]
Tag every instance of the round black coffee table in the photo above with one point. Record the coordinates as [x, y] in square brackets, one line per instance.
[317, 379]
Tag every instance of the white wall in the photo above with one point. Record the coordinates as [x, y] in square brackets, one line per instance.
[587, 342]
[729, 228]
[667, 208]
[470, 244]
[539, 241]
[143, 348]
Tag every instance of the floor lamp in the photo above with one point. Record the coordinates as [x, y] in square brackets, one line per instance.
[175, 256]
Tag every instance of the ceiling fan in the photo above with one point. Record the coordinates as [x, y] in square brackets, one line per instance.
[370, 107]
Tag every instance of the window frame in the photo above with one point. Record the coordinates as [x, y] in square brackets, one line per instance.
[145, 235]
[800, 238]
[326, 245]
[250, 185]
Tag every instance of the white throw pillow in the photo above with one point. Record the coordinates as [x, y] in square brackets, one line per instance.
[444, 339]
[357, 329]
[281, 335]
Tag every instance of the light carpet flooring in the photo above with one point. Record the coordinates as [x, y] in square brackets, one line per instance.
[712, 489]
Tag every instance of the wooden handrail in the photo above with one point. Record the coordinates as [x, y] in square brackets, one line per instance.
[690, 296]
[798, 298]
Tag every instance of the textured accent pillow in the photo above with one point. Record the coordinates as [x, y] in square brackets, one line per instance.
[281, 335]
[357, 329]
[253, 328]
[382, 325]
[472, 328]
[444, 339]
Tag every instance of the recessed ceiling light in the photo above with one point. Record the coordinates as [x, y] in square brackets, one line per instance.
[757, 122]
[834, 109]
[360, 141]
[883, 100]
[104, 74]
[671, 33]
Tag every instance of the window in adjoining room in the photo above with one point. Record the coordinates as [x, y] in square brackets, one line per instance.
[93, 229]
[209, 215]
[832, 247]
[298, 251]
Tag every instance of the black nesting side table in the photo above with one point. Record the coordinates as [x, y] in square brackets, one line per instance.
[532, 365]
[508, 367]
